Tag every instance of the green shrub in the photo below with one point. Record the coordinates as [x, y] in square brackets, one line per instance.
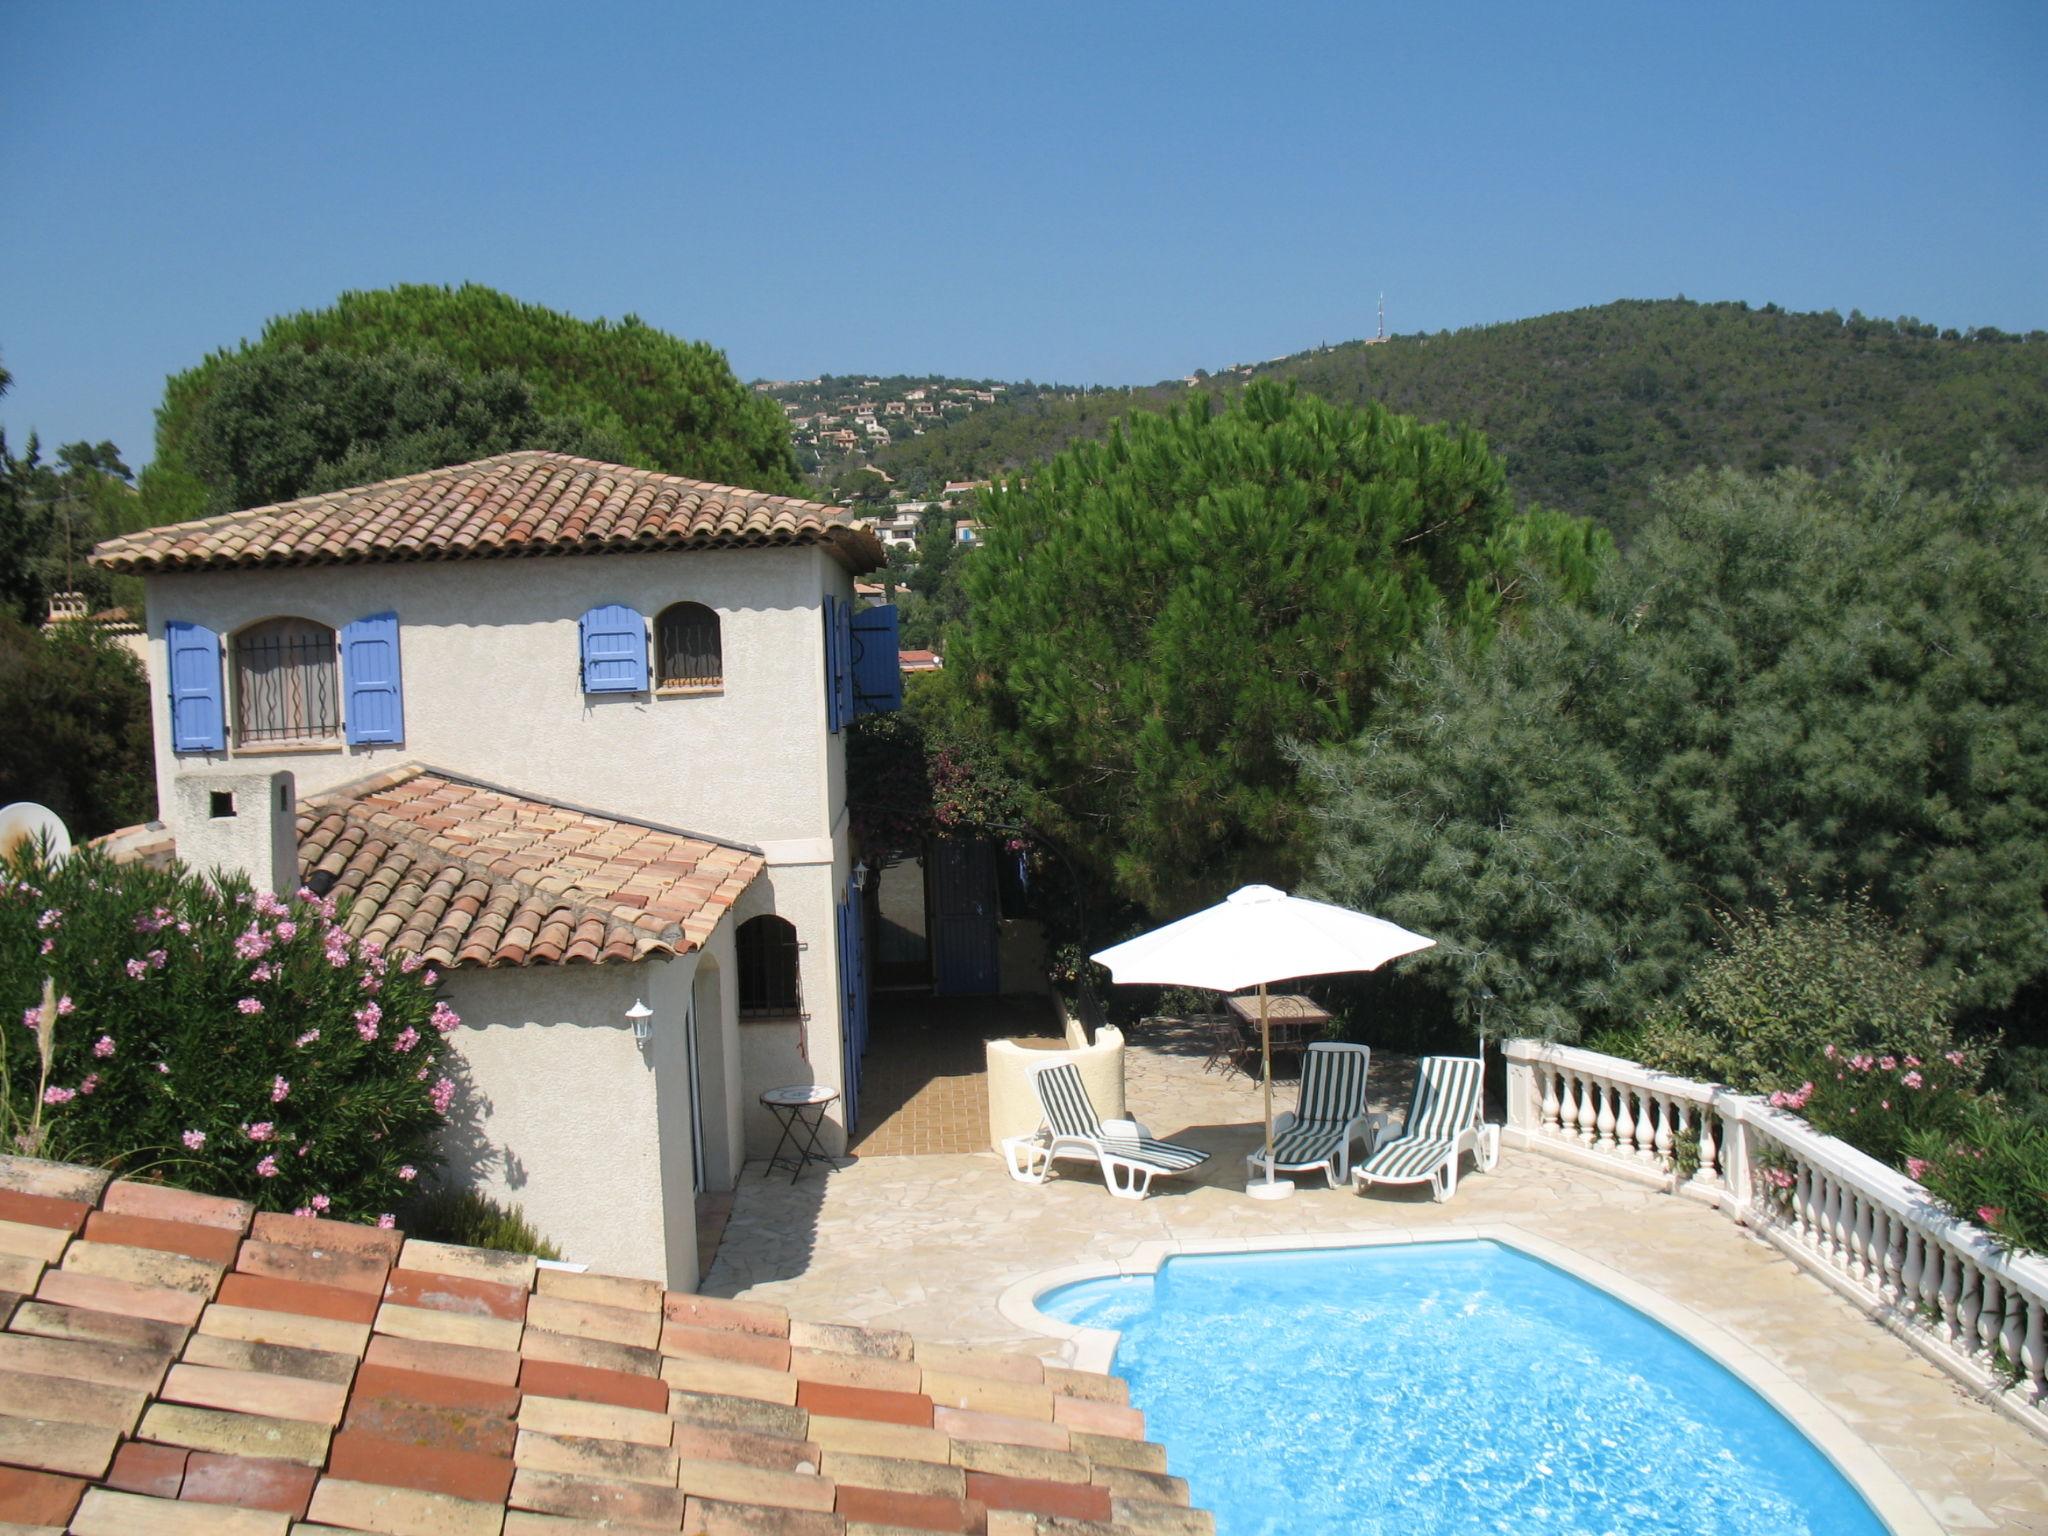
[476, 1221]
[221, 1039]
[1881, 1104]
[1990, 1170]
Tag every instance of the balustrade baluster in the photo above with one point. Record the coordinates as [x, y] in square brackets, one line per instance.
[1624, 1124]
[1951, 1294]
[1710, 1147]
[1604, 1139]
[2034, 1349]
[1572, 1119]
[2012, 1326]
[1863, 1246]
[1969, 1304]
[1549, 1110]
[1896, 1232]
[1991, 1316]
[1909, 1273]
[1666, 1140]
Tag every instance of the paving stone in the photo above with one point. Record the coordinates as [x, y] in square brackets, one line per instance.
[52, 1181]
[496, 1366]
[1092, 1385]
[855, 1370]
[264, 1292]
[256, 1392]
[775, 1453]
[211, 1245]
[157, 1470]
[552, 1379]
[1129, 1483]
[235, 1434]
[761, 1349]
[26, 1240]
[295, 1330]
[999, 1428]
[128, 1197]
[749, 1413]
[638, 1329]
[567, 1349]
[455, 1293]
[983, 1394]
[37, 1498]
[445, 1469]
[602, 1290]
[105, 1512]
[872, 1437]
[695, 1373]
[862, 1403]
[271, 1359]
[394, 1511]
[1099, 1418]
[714, 1517]
[910, 1511]
[74, 1288]
[514, 1269]
[1117, 1451]
[249, 1482]
[595, 1498]
[1041, 1496]
[999, 1364]
[566, 1416]
[583, 1456]
[45, 1445]
[896, 1473]
[51, 1321]
[323, 1236]
[730, 1482]
[70, 1402]
[343, 1270]
[111, 1365]
[717, 1312]
[1027, 1462]
[448, 1327]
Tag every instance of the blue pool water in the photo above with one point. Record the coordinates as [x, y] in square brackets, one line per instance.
[1435, 1388]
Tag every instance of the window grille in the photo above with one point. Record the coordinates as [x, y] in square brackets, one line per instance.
[767, 955]
[286, 688]
[689, 648]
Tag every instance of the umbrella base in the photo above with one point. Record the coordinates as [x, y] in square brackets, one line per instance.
[1270, 1189]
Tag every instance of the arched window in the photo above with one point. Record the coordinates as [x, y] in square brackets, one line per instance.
[768, 968]
[688, 648]
[285, 683]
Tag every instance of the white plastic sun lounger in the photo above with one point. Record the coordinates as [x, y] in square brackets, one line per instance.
[1129, 1157]
[1331, 1115]
[1443, 1124]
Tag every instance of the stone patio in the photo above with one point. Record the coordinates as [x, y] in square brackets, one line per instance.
[930, 1243]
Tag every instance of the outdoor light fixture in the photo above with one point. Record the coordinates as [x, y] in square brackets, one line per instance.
[860, 877]
[641, 1017]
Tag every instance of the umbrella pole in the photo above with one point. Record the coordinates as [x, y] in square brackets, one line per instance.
[1266, 1064]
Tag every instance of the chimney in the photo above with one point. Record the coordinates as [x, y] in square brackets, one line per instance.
[239, 823]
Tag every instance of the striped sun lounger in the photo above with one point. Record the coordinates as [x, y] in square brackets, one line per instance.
[1130, 1159]
[1444, 1122]
[1331, 1115]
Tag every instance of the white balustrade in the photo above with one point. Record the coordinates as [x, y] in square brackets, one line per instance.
[1866, 1229]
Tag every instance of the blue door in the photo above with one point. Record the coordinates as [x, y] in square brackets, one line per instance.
[963, 915]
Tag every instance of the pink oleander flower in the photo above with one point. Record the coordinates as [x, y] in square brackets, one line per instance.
[371, 982]
[410, 963]
[1954, 1058]
[92, 1081]
[1778, 1178]
[56, 1095]
[408, 1173]
[307, 1038]
[158, 959]
[1861, 1063]
[267, 1169]
[1829, 1053]
[444, 1019]
[249, 1005]
[64, 1006]
[1889, 1063]
[193, 1140]
[51, 919]
[420, 1076]
[1913, 1061]
[368, 1017]
[48, 947]
[1912, 1079]
[1990, 1214]
[31, 1018]
[1916, 1167]
[185, 928]
[1884, 1103]
[164, 1067]
[387, 1221]
[321, 1202]
[137, 970]
[262, 1130]
[431, 979]
[103, 1047]
[305, 1147]
[264, 972]
[405, 1040]
[252, 943]
[443, 1095]
[280, 1090]
[305, 1213]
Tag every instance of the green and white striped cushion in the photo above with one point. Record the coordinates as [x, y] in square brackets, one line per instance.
[1064, 1098]
[1302, 1144]
[1446, 1103]
[1408, 1158]
[1332, 1085]
[1167, 1156]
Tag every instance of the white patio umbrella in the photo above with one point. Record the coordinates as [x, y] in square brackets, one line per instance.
[1254, 936]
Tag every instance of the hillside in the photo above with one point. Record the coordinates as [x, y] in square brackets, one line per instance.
[1590, 406]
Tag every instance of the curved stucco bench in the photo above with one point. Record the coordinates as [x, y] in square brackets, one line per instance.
[1013, 1108]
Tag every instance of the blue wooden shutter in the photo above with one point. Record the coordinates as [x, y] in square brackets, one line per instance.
[370, 673]
[198, 720]
[832, 721]
[845, 678]
[614, 650]
[877, 671]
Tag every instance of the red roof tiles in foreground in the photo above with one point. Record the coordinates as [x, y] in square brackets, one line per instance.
[527, 503]
[214, 1383]
[463, 873]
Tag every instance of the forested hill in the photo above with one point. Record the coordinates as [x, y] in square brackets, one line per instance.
[1590, 405]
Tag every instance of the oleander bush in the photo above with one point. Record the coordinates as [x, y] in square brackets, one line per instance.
[1880, 1103]
[1991, 1170]
[473, 1220]
[215, 1037]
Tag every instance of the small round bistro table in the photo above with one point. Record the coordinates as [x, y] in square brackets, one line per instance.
[801, 1109]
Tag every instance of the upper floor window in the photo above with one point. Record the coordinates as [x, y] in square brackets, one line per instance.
[688, 649]
[286, 683]
[767, 953]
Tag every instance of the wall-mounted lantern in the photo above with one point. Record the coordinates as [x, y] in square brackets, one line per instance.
[641, 1017]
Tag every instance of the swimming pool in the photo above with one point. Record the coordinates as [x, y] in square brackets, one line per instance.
[1448, 1387]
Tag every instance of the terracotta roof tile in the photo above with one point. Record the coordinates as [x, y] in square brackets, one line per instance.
[465, 873]
[516, 504]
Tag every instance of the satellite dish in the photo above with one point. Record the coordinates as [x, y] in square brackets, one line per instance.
[26, 822]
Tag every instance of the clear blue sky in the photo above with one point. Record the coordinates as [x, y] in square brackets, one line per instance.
[1103, 193]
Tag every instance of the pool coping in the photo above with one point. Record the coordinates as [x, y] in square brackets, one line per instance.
[1894, 1501]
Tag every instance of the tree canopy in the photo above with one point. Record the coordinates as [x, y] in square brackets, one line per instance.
[1155, 614]
[666, 403]
[1786, 690]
